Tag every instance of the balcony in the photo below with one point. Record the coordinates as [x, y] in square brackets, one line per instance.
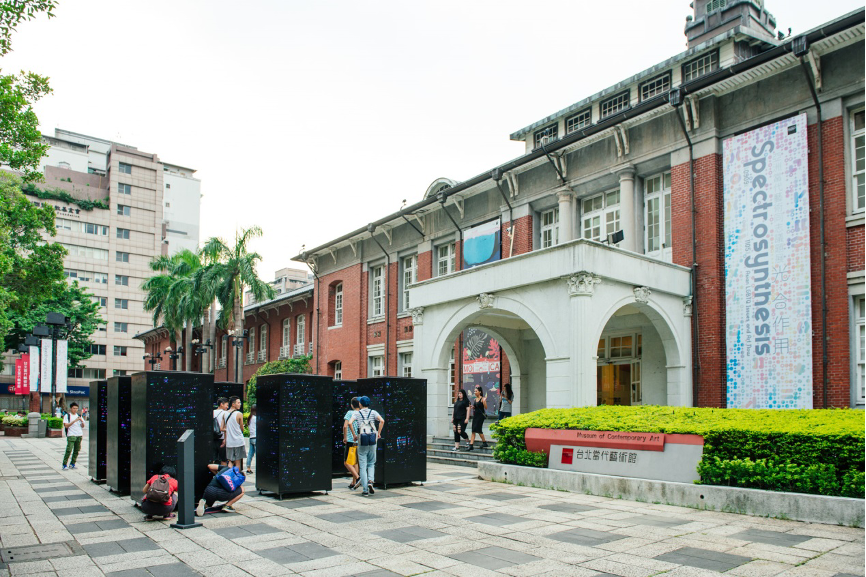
[298, 350]
[285, 351]
[222, 363]
[311, 348]
[251, 357]
[262, 355]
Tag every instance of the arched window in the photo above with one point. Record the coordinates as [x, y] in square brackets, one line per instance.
[338, 305]
[285, 351]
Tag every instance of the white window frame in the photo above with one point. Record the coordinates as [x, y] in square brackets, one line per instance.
[578, 121]
[546, 135]
[377, 291]
[120, 351]
[700, 66]
[858, 203]
[123, 233]
[300, 332]
[405, 360]
[410, 276]
[121, 327]
[338, 305]
[859, 330]
[124, 210]
[338, 370]
[377, 366]
[123, 188]
[263, 343]
[251, 345]
[657, 216]
[549, 228]
[615, 103]
[601, 217]
[658, 85]
[446, 260]
[224, 351]
[124, 168]
[285, 349]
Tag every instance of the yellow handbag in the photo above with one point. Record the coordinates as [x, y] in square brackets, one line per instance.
[352, 456]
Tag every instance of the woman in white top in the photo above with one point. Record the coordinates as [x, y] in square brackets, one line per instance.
[236, 447]
[252, 427]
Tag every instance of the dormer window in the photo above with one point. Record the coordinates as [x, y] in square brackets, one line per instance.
[615, 104]
[545, 136]
[655, 87]
[578, 121]
[700, 66]
[715, 5]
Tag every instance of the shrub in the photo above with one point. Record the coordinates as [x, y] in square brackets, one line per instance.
[299, 365]
[806, 451]
[54, 422]
[15, 421]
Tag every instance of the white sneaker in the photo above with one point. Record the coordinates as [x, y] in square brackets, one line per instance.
[199, 510]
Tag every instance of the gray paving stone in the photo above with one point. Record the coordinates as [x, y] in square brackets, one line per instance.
[348, 516]
[497, 519]
[499, 496]
[55, 488]
[172, 570]
[409, 534]
[282, 555]
[103, 549]
[72, 497]
[298, 503]
[483, 561]
[380, 573]
[92, 509]
[431, 505]
[567, 508]
[78, 528]
[770, 537]
[585, 537]
[515, 557]
[112, 524]
[138, 545]
[443, 487]
[704, 559]
[240, 531]
[129, 573]
[656, 521]
[121, 547]
[313, 550]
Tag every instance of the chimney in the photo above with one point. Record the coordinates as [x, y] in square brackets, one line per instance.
[714, 17]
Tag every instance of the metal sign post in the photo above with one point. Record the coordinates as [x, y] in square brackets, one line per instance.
[186, 481]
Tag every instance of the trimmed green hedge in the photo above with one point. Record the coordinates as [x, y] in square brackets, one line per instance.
[54, 422]
[806, 451]
[15, 421]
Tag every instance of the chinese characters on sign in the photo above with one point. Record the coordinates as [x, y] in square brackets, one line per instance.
[569, 456]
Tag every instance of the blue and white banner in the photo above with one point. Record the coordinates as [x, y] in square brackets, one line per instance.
[481, 243]
[45, 366]
[62, 365]
[768, 290]
[34, 369]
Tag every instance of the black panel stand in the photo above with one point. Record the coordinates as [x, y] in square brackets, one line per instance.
[97, 428]
[186, 481]
[228, 390]
[401, 453]
[118, 434]
[164, 405]
[295, 433]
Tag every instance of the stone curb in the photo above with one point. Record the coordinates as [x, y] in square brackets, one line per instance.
[792, 506]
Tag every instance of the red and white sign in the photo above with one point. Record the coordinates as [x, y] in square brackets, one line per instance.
[25, 374]
[19, 377]
[539, 440]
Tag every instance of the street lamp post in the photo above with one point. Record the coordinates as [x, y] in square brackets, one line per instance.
[199, 349]
[152, 359]
[55, 322]
[173, 356]
[238, 342]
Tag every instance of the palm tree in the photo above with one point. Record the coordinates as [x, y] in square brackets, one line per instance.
[174, 298]
[231, 270]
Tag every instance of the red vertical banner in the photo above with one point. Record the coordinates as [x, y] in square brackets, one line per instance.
[19, 377]
[25, 374]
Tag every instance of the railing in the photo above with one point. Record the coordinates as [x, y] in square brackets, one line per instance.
[298, 351]
[311, 348]
[262, 355]
[222, 363]
[285, 351]
[251, 357]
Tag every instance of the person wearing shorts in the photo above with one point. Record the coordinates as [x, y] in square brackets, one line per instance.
[214, 492]
[350, 439]
[236, 445]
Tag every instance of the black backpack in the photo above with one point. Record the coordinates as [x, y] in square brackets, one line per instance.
[217, 431]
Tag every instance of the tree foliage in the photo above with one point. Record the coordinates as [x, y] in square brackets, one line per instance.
[13, 12]
[283, 366]
[21, 144]
[171, 295]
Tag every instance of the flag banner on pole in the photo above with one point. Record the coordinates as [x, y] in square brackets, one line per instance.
[19, 377]
[62, 362]
[768, 296]
[45, 377]
[25, 374]
[34, 369]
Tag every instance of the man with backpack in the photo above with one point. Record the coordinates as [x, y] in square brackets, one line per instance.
[370, 425]
[160, 495]
[233, 426]
[219, 430]
[73, 424]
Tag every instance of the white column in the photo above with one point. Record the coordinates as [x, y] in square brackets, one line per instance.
[566, 227]
[626, 211]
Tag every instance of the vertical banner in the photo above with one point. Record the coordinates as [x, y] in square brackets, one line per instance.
[34, 369]
[25, 374]
[481, 366]
[62, 365]
[481, 243]
[767, 272]
[45, 366]
[19, 377]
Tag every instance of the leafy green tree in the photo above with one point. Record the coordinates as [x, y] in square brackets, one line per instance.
[77, 305]
[13, 12]
[231, 270]
[283, 366]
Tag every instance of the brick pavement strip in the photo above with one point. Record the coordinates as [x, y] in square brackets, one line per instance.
[455, 525]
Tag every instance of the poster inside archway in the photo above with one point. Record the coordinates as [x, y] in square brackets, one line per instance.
[482, 364]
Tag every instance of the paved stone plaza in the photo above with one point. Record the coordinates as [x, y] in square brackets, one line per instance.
[58, 523]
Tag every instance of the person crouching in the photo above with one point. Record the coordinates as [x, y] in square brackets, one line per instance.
[160, 495]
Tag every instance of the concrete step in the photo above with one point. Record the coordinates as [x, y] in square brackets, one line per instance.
[473, 455]
[450, 440]
[452, 462]
[447, 448]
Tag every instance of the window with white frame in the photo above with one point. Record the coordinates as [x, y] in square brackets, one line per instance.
[377, 366]
[700, 66]
[263, 343]
[858, 161]
[578, 121]
[615, 104]
[657, 195]
[224, 350]
[124, 168]
[406, 364]
[860, 346]
[546, 135]
[410, 275]
[123, 210]
[300, 332]
[119, 351]
[338, 370]
[446, 259]
[251, 344]
[655, 87]
[124, 188]
[338, 305]
[550, 228]
[377, 291]
[601, 215]
[287, 337]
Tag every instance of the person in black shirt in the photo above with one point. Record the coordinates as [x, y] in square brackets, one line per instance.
[460, 418]
[479, 413]
[215, 492]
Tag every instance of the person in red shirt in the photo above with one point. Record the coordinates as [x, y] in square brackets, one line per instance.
[152, 508]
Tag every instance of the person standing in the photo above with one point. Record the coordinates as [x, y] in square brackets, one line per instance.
[460, 418]
[350, 443]
[236, 446]
[220, 452]
[73, 423]
[506, 397]
[160, 495]
[251, 425]
[368, 436]
[479, 413]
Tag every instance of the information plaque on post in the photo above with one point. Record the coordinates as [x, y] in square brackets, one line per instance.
[164, 405]
[295, 433]
[118, 434]
[186, 481]
[97, 429]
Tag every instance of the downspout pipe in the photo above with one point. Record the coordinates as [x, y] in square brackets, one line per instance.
[801, 49]
[676, 99]
[443, 198]
[371, 228]
[318, 300]
[496, 175]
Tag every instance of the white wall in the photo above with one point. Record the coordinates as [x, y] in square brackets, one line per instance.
[182, 211]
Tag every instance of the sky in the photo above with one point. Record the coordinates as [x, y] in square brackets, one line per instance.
[311, 119]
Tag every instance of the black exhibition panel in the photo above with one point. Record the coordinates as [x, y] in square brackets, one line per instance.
[118, 432]
[228, 390]
[294, 433]
[164, 405]
[401, 453]
[97, 424]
